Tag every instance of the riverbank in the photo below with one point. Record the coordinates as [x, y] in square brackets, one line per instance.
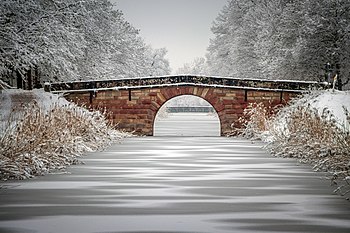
[41, 132]
[313, 129]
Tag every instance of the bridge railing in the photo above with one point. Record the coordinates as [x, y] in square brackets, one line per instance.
[136, 83]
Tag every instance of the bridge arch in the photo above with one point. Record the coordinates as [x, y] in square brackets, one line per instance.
[166, 94]
[134, 110]
[215, 119]
[134, 102]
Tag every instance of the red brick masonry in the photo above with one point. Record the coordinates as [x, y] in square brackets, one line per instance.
[134, 110]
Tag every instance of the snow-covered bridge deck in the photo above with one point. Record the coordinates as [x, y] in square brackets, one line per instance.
[193, 80]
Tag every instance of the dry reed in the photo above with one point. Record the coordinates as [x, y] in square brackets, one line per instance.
[316, 139]
[301, 132]
[255, 121]
[35, 142]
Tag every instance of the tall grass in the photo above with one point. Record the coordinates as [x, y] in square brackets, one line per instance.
[301, 132]
[35, 142]
[255, 120]
[315, 139]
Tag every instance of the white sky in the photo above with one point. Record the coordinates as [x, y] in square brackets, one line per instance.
[182, 26]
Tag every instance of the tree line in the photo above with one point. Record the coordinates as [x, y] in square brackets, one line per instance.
[279, 39]
[65, 40]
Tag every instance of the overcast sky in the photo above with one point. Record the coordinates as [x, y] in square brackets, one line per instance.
[182, 26]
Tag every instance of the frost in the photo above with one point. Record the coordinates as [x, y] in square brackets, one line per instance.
[72, 40]
[313, 129]
[45, 133]
[289, 40]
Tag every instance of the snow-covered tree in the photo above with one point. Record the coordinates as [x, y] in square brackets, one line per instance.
[197, 67]
[44, 34]
[232, 52]
[327, 38]
[70, 40]
[281, 39]
[157, 64]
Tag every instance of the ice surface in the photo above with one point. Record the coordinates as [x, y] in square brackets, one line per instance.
[187, 124]
[176, 184]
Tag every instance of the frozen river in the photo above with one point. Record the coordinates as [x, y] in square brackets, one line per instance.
[176, 185]
[187, 124]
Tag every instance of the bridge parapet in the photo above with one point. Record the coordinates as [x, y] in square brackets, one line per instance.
[145, 82]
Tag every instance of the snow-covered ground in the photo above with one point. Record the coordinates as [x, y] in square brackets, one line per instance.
[337, 102]
[14, 99]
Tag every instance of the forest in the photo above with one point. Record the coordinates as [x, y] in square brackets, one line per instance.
[66, 40]
[61, 40]
[279, 39]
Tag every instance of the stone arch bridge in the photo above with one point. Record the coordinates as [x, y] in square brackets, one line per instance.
[134, 102]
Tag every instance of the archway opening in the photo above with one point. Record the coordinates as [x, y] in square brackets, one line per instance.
[187, 115]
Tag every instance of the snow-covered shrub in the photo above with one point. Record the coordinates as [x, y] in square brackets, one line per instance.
[313, 129]
[255, 121]
[312, 138]
[37, 141]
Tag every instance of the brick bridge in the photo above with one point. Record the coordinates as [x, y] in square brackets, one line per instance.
[134, 103]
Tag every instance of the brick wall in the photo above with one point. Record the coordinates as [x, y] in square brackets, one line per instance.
[134, 110]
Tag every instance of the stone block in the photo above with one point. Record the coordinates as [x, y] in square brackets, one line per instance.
[227, 101]
[146, 101]
[204, 92]
[161, 97]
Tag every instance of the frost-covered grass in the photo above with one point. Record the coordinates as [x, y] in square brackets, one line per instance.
[255, 121]
[39, 138]
[314, 129]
